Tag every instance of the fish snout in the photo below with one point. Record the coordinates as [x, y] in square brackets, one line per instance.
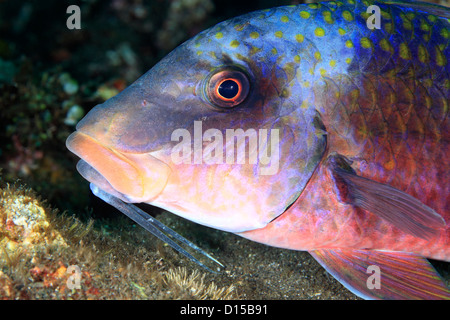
[132, 177]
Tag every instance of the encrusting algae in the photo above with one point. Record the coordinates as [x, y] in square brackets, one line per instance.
[24, 223]
[39, 249]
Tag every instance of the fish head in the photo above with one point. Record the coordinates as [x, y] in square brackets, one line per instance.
[216, 132]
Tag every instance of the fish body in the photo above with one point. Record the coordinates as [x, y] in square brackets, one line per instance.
[345, 125]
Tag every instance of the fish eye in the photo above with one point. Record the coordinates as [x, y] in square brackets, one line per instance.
[228, 88]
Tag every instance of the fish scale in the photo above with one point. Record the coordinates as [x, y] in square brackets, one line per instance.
[361, 118]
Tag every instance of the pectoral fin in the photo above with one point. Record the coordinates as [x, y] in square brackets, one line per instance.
[393, 205]
[383, 275]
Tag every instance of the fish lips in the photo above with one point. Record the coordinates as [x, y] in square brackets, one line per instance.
[128, 176]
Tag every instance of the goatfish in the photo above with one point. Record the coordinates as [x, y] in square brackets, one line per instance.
[317, 127]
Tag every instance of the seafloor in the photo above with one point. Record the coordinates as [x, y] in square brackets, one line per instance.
[50, 77]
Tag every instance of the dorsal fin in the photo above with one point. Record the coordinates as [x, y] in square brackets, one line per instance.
[437, 10]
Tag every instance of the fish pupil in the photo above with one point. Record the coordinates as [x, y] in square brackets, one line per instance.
[228, 89]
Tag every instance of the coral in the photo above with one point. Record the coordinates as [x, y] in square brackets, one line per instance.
[6, 287]
[24, 223]
[40, 249]
[192, 286]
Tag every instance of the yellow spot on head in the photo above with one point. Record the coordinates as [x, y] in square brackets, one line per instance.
[354, 94]
[279, 34]
[386, 15]
[404, 51]
[441, 60]
[422, 54]
[332, 63]
[432, 18]
[386, 45]
[366, 43]
[274, 51]
[342, 31]
[240, 56]
[411, 15]
[447, 84]
[347, 15]
[389, 28]
[348, 60]
[213, 54]
[317, 55]
[319, 32]
[199, 52]
[428, 83]
[389, 165]
[306, 84]
[314, 5]
[297, 58]
[323, 72]
[219, 35]
[349, 44]
[254, 35]
[254, 50]
[240, 27]
[305, 14]
[234, 44]
[304, 104]
[299, 38]
[284, 19]
[406, 22]
[424, 26]
[365, 15]
[327, 17]
[445, 33]
[285, 93]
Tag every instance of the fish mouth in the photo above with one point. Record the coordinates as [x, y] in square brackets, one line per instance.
[129, 176]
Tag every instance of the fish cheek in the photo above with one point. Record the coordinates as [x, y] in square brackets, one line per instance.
[302, 149]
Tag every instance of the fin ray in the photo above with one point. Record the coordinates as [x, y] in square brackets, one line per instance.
[395, 206]
[402, 275]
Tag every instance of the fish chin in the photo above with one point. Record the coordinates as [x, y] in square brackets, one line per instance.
[93, 176]
[130, 177]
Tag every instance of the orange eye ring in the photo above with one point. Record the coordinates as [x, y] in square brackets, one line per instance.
[228, 88]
